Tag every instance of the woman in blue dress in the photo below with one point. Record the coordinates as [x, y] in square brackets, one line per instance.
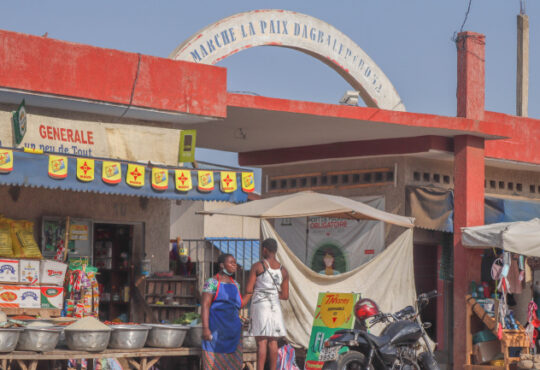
[222, 328]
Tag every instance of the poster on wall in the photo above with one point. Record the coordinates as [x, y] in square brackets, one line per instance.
[332, 246]
[334, 312]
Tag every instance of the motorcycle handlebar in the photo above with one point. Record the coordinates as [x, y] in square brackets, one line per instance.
[431, 294]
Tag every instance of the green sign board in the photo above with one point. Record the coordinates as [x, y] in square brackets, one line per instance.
[19, 123]
[187, 146]
[334, 312]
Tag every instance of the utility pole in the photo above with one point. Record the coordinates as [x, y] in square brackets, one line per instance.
[522, 78]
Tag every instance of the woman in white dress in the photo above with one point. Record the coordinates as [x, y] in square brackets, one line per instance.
[268, 283]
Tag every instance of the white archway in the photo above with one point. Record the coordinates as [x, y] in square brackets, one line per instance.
[296, 31]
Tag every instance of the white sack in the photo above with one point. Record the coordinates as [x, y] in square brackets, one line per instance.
[388, 280]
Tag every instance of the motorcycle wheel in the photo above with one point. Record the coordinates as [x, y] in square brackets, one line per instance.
[352, 360]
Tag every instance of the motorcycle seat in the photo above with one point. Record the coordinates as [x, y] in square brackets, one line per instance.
[379, 341]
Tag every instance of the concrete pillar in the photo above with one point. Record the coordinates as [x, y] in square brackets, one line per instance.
[522, 78]
[469, 177]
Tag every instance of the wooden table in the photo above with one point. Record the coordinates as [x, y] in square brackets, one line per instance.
[141, 359]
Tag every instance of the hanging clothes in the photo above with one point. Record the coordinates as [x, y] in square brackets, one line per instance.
[224, 350]
[516, 286]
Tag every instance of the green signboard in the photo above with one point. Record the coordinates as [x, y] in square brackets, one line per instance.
[19, 123]
[334, 312]
[187, 146]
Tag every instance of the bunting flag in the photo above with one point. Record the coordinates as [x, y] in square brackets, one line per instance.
[206, 181]
[135, 175]
[160, 178]
[228, 181]
[248, 182]
[111, 172]
[58, 167]
[85, 169]
[6, 161]
[182, 180]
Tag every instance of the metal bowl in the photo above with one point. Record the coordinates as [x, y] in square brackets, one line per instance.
[9, 338]
[87, 340]
[40, 339]
[128, 336]
[166, 336]
[194, 337]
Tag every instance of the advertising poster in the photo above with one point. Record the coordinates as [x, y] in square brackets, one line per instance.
[334, 312]
[332, 246]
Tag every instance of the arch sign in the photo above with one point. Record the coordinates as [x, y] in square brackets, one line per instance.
[296, 31]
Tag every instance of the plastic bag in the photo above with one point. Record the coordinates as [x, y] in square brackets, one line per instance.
[5, 238]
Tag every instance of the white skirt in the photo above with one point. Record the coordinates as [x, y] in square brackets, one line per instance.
[266, 316]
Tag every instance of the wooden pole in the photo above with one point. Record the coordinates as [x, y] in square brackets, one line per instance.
[522, 78]
[66, 243]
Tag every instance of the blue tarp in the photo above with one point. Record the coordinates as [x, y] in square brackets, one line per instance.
[246, 251]
[32, 170]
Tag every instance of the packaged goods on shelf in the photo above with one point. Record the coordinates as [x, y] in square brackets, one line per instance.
[29, 272]
[9, 296]
[53, 273]
[22, 239]
[52, 296]
[6, 249]
[30, 297]
[9, 270]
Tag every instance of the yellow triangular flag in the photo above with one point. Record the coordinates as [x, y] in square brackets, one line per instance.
[248, 182]
[228, 181]
[58, 166]
[206, 181]
[182, 180]
[135, 175]
[6, 161]
[160, 178]
[111, 172]
[85, 169]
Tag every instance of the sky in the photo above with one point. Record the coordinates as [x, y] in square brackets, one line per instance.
[410, 40]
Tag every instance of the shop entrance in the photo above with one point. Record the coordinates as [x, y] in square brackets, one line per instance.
[113, 251]
[425, 276]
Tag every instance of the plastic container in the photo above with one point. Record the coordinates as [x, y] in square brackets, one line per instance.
[169, 298]
[146, 267]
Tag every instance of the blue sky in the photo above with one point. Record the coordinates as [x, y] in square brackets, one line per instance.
[411, 40]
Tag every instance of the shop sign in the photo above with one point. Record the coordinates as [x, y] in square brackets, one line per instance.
[297, 31]
[58, 167]
[228, 181]
[334, 312]
[160, 178]
[111, 172]
[85, 169]
[187, 146]
[135, 175]
[6, 161]
[19, 123]
[248, 182]
[64, 136]
[78, 232]
[182, 179]
[206, 181]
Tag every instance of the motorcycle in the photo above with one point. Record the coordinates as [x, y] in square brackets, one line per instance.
[397, 347]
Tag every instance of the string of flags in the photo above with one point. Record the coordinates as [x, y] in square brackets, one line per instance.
[135, 175]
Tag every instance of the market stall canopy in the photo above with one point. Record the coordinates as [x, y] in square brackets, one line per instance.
[521, 237]
[308, 203]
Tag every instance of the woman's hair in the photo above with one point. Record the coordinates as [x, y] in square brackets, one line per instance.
[270, 245]
[223, 257]
[329, 252]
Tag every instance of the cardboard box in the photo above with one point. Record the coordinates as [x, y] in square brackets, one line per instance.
[30, 297]
[53, 273]
[9, 296]
[486, 351]
[52, 297]
[29, 272]
[9, 270]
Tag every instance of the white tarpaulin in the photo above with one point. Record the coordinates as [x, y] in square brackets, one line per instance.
[388, 279]
[521, 237]
[351, 242]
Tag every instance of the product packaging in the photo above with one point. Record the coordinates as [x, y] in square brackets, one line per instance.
[9, 270]
[30, 297]
[52, 297]
[53, 273]
[29, 272]
[9, 296]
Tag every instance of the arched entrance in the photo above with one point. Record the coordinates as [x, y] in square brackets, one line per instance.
[296, 31]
